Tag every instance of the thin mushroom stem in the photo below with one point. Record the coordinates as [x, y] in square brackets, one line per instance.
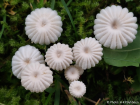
[70, 97]
[79, 103]
[98, 101]
[67, 92]
[89, 100]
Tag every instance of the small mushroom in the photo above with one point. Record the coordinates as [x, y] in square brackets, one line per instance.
[72, 73]
[77, 89]
[81, 71]
[59, 56]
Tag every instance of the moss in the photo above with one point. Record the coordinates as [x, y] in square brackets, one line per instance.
[83, 13]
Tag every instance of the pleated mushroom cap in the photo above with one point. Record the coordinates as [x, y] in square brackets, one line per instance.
[59, 56]
[72, 73]
[43, 26]
[81, 71]
[36, 77]
[115, 27]
[87, 53]
[24, 56]
[77, 89]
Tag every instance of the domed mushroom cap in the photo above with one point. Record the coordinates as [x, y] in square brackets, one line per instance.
[87, 53]
[81, 71]
[36, 77]
[24, 56]
[115, 27]
[72, 73]
[43, 26]
[77, 89]
[59, 56]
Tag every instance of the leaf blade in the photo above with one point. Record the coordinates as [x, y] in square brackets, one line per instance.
[68, 3]
[57, 93]
[48, 98]
[50, 90]
[52, 4]
[61, 81]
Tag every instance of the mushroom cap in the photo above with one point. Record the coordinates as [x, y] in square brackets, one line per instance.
[81, 71]
[43, 26]
[115, 27]
[72, 73]
[36, 77]
[87, 53]
[77, 89]
[59, 56]
[24, 56]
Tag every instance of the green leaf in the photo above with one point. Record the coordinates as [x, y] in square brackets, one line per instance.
[48, 98]
[69, 14]
[50, 90]
[69, 2]
[4, 20]
[128, 56]
[57, 93]
[52, 4]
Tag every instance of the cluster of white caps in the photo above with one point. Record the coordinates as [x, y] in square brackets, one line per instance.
[114, 28]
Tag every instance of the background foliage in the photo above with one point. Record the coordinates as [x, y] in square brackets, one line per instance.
[116, 77]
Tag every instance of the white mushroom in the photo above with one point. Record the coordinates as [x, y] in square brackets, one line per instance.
[36, 77]
[59, 56]
[87, 53]
[81, 71]
[77, 89]
[115, 27]
[43, 26]
[24, 56]
[72, 73]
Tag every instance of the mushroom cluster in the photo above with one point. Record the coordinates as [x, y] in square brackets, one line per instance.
[29, 66]
[23, 57]
[114, 28]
